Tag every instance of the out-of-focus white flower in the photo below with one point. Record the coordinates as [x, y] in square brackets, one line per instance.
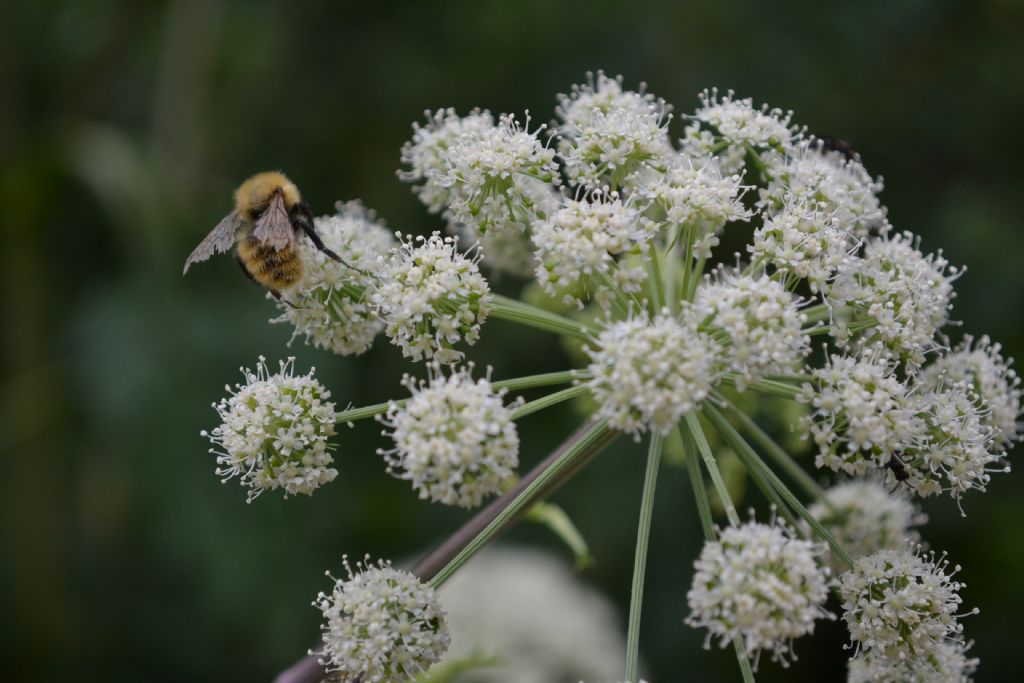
[804, 242]
[899, 604]
[762, 323]
[948, 663]
[381, 625]
[578, 247]
[454, 439]
[991, 378]
[431, 297]
[865, 517]
[607, 132]
[829, 182]
[330, 305]
[907, 293]
[648, 373]
[274, 430]
[727, 127]
[860, 413]
[761, 584]
[527, 610]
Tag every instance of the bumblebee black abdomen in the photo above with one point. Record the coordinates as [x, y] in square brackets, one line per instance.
[272, 268]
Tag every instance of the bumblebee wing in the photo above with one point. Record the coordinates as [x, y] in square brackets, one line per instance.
[274, 227]
[220, 239]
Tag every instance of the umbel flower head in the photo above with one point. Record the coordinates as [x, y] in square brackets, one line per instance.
[991, 379]
[331, 305]
[578, 247]
[947, 663]
[607, 132]
[900, 604]
[761, 321]
[761, 584]
[908, 294]
[274, 430]
[381, 625]
[648, 373]
[864, 517]
[431, 297]
[454, 438]
[725, 127]
[830, 182]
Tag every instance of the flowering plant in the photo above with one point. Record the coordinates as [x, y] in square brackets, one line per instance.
[618, 226]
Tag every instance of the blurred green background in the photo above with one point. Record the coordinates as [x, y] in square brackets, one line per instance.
[124, 126]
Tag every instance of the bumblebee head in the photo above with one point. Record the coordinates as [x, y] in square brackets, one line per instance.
[252, 196]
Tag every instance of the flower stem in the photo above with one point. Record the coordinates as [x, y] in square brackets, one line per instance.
[654, 281]
[753, 461]
[516, 311]
[541, 380]
[499, 515]
[643, 535]
[548, 401]
[779, 455]
[353, 414]
[691, 425]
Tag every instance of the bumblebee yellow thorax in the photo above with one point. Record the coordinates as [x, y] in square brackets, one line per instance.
[275, 270]
[253, 195]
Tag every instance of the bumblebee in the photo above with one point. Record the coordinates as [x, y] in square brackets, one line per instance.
[268, 216]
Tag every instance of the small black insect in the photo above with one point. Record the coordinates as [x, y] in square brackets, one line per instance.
[899, 471]
[831, 144]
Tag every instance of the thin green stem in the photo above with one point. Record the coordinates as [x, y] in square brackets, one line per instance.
[505, 308]
[766, 386]
[779, 455]
[586, 444]
[700, 492]
[753, 461]
[353, 414]
[744, 661]
[643, 535]
[548, 401]
[692, 426]
[541, 380]
[654, 279]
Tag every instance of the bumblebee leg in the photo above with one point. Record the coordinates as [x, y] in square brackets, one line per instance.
[302, 218]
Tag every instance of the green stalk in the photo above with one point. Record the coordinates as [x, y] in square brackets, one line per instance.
[640, 560]
[547, 401]
[753, 461]
[588, 443]
[692, 426]
[505, 308]
[766, 386]
[779, 455]
[541, 380]
[353, 414]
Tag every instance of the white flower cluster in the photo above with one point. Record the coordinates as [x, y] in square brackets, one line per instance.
[907, 294]
[760, 584]
[578, 245]
[648, 373]
[530, 612]
[992, 380]
[454, 438]
[864, 517]
[331, 304]
[864, 419]
[829, 182]
[492, 181]
[274, 430]
[761, 322]
[381, 625]
[695, 195]
[431, 297]
[730, 128]
[803, 242]
[607, 132]
[948, 663]
[901, 605]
